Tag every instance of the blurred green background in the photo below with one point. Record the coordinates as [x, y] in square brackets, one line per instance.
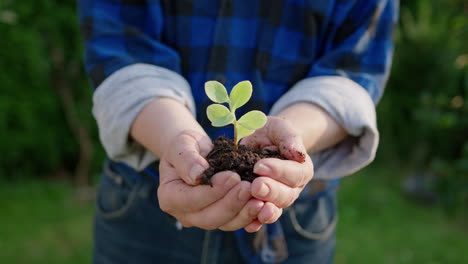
[409, 206]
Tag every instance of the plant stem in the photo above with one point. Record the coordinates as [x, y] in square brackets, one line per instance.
[235, 135]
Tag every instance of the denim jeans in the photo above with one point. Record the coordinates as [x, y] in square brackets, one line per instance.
[129, 227]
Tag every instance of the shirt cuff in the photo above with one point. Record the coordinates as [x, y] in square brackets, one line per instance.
[352, 107]
[121, 97]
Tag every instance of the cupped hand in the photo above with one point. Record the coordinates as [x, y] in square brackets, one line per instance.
[186, 154]
[280, 181]
[228, 205]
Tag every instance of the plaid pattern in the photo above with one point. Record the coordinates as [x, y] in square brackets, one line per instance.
[272, 43]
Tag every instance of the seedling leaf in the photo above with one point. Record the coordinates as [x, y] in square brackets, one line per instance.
[242, 132]
[240, 95]
[219, 115]
[216, 92]
[253, 120]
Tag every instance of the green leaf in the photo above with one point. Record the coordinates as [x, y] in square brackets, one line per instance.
[240, 94]
[219, 115]
[216, 92]
[242, 132]
[253, 120]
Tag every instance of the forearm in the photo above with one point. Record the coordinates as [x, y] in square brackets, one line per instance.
[159, 122]
[317, 128]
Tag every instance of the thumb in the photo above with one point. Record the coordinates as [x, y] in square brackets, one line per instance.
[187, 155]
[287, 139]
[292, 148]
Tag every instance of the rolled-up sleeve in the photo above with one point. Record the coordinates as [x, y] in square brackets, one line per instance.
[347, 80]
[128, 67]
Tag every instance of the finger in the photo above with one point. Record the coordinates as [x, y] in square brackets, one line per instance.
[253, 227]
[289, 172]
[269, 213]
[176, 196]
[278, 132]
[188, 156]
[284, 135]
[270, 190]
[223, 210]
[245, 217]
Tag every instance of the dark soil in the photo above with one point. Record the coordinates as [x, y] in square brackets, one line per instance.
[224, 157]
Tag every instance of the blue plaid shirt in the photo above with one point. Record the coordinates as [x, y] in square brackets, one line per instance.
[272, 43]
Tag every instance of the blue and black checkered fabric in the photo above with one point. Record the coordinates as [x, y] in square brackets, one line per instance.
[272, 43]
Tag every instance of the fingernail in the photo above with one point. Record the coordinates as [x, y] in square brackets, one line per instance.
[231, 182]
[196, 171]
[253, 227]
[268, 215]
[263, 191]
[270, 220]
[254, 210]
[244, 193]
[262, 169]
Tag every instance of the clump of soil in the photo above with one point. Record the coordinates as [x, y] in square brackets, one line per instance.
[224, 157]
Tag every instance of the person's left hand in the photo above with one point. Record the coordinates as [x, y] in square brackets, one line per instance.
[280, 181]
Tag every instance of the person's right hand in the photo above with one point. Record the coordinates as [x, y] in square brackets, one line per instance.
[228, 205]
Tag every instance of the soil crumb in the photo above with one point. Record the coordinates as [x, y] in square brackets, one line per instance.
[224, 157]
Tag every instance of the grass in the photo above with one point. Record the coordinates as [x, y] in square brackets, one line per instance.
[378, 225]
[41, 222]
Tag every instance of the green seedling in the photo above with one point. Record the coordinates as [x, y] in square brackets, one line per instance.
[220, 115]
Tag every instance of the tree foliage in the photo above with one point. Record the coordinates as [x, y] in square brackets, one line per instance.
[45, 100]
[424, 113]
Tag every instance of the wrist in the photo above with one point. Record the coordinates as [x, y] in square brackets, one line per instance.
[316, 127]
[160, 121]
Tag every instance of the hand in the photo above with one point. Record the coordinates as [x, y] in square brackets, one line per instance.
[186, 154]
[280, 181]
[228, 205]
